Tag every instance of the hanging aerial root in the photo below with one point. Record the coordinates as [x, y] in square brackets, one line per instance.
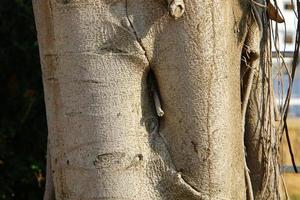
[157, 103]
[248, 182]
[155, 94]
[252, 56]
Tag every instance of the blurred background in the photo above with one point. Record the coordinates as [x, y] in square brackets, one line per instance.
[287, 35]
[23, 128]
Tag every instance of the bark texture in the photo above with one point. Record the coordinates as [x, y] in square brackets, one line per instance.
[105, 139]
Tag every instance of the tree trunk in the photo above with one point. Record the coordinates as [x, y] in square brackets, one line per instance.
[106, 140]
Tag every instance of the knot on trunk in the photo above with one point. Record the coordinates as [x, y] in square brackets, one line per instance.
[176, 8]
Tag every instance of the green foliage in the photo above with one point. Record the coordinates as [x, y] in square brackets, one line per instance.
[23, 130]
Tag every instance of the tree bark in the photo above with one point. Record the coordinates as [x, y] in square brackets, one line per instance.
[105, 138]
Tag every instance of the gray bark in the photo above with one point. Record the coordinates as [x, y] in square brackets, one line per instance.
[105, 138]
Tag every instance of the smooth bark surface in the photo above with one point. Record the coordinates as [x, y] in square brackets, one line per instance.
[105, 139]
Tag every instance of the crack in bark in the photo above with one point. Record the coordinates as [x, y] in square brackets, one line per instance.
[179, 177]
[135, 33]
[113, 50]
